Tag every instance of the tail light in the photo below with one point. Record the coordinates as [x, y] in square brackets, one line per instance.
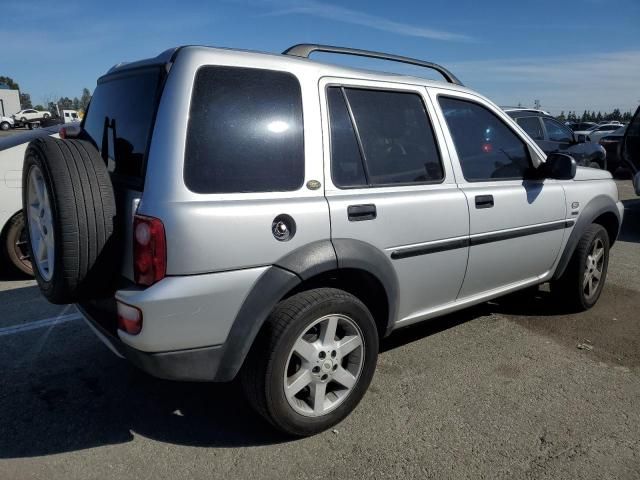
[149, 250]
[129, 318]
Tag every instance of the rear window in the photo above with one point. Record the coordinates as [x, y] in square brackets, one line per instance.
[120, 119]
[245, 132]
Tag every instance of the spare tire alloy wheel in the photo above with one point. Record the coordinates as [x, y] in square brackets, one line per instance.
[323, 367]
[40, 218]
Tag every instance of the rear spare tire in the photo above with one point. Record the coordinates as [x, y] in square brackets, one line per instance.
[70, 208]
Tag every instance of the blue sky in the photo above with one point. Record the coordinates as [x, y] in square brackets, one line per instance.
[571, 55]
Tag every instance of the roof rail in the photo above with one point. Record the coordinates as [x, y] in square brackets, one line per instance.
[306, 49]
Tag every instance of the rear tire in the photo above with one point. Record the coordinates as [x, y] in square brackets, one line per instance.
[70, 207]
[582, 282]
[594, 165]
[298, 324]
[14, 241]
[5, 126]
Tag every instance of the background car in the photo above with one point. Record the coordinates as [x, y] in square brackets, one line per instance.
[611, 143]
[6, 123]
[13, 246]
[31, 115]
[580, 126]
[630, 149]
[552, 136]
[596, 133]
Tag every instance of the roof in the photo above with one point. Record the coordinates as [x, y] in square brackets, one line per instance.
[260, 58]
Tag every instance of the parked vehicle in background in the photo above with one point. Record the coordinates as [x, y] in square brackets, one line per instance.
[6, 123]
[13, 247]
[611, 143]
[594, 134]
[69, 116]
[580, 126]
[299, 213]
[609, 122]
[29, 115]
[554, 137]
[630, 149]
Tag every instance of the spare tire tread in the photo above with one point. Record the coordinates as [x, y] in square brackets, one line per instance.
[83, 207]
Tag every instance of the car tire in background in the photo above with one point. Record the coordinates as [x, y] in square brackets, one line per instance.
[23, 119]
[70, 212]
[46, 115]
[582, 282]
[5, 126]
[594, 165]
[295, 359]
[14, 246]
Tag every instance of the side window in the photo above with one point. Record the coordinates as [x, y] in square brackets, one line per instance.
[245, 132]
[396, 139]
[556, 132]
[347, 168]
[532, 126]
[487, 148]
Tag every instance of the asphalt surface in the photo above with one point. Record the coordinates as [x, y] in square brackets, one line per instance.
[501, 390]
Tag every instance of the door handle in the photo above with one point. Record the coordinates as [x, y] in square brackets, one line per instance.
[484, 201]
[358, 213]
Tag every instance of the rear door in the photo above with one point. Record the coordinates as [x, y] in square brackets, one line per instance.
[516, 224]
[389, 183]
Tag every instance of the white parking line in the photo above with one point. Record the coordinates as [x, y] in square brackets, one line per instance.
[39, 324]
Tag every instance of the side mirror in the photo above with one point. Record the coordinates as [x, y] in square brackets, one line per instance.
[582, 138]
[559, 166]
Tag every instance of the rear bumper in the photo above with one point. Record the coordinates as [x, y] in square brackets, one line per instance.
[196, 364]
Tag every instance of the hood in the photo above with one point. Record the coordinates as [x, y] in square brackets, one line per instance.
[586, 173]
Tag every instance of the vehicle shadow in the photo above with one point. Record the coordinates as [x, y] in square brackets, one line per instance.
[61, 390]
[90, 402]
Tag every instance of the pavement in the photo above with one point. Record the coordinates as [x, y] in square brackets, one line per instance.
[514, 388]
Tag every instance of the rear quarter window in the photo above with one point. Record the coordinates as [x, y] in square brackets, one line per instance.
[245, 132]
[120, 119]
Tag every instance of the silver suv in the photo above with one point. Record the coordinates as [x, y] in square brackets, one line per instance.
[224, 213]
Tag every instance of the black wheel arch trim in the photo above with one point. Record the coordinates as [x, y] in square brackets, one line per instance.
[287, 273]
[595, 208]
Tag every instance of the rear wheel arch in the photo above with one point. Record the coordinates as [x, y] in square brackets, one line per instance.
[350, 265]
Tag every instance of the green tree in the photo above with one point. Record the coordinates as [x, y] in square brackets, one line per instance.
[84, 99]
[65, 103]
[76, 103]
[10, 83]
[25, 101]
[561, 117]
[38, 107]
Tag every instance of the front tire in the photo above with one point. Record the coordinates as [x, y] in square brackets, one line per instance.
[582, 282]
[312, 361]
[5, 126]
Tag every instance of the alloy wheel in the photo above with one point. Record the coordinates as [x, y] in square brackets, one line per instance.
[40, 218]
[324, 365]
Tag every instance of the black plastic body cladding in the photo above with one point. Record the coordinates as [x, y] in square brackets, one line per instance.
[596, 207]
